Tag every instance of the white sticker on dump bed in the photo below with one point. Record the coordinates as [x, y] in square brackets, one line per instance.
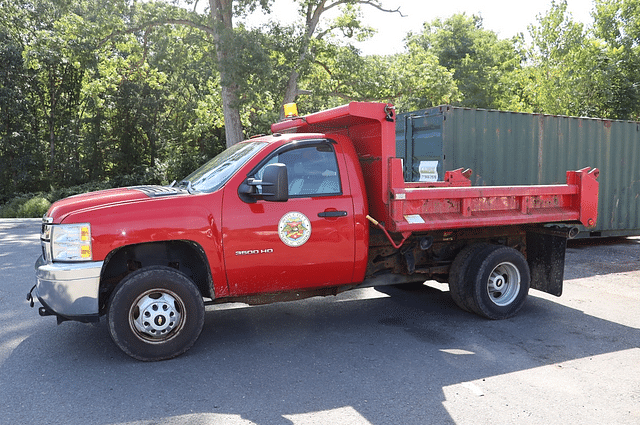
[414, 219]
[428, 171]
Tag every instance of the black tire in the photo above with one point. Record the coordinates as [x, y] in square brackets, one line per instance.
[155, 313]
[499, 277]
[460, 286]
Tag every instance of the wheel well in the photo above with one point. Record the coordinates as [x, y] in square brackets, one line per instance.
[185, 256]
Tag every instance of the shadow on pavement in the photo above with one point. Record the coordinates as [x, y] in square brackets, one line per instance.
[382, 356]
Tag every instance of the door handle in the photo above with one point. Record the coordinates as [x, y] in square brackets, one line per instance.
[332, 214]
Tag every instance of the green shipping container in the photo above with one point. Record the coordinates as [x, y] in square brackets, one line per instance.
[509, 148]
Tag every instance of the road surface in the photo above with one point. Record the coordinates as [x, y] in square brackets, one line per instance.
[370, 356]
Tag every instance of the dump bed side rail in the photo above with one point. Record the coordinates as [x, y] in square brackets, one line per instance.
[454, 204]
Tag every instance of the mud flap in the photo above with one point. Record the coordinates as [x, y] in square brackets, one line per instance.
[545, 255]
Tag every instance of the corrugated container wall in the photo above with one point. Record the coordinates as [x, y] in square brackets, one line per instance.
[508, 148]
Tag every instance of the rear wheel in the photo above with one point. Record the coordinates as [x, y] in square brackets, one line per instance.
[459, 285]
[498, 278]
[155, 313]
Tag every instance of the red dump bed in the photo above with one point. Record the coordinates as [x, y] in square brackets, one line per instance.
[414, 207]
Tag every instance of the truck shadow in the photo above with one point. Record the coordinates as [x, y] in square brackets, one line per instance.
[382, 357]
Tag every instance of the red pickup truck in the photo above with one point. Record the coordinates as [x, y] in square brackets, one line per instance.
[316, 208]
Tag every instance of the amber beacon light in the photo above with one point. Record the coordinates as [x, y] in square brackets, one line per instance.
[290, 110]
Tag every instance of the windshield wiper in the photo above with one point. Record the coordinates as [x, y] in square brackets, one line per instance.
[189, 186]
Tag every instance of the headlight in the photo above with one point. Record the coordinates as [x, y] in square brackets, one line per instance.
[71, 242]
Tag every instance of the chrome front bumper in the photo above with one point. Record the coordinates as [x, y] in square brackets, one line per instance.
[68, 290]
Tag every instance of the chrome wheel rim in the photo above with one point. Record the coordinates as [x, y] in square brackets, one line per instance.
[157, 315]
[503, 285]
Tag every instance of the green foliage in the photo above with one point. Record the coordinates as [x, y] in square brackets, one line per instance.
[478, 60]
[103, 93]
[87, 98]
[617, 39]
[25, 207]
[558, 57]
[339, 74]
[349, 23]
[34, 207]
[422, 82]
[20, 158]
[573, 70]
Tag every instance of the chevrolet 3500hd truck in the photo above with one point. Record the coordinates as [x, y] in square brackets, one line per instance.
[316, 208]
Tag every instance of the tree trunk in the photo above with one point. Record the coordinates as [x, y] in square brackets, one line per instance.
[314, 11]
[292, 87]
[51, 118]
[221, 20]
[232, 123]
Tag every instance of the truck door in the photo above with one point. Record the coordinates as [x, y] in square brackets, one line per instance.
[305, 242]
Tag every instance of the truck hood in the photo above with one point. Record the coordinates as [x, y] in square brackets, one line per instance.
[87, 201]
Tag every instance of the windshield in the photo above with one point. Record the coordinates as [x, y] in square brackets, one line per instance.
[215, 173]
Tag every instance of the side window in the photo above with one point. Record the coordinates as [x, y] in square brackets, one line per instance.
[312, 170]
[258, 174]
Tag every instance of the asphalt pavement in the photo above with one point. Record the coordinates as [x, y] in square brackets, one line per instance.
[372, 356]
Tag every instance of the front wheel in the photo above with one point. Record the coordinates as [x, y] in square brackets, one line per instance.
[155, 313]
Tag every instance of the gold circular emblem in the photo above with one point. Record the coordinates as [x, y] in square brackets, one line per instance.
[294, 229]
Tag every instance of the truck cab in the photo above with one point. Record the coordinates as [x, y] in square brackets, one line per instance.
[310, 238]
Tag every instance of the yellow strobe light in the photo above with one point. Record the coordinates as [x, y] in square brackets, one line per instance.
[290, 110]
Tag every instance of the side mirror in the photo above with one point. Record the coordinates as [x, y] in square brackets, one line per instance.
[274, 184]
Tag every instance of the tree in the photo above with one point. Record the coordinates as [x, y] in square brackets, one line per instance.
[584, 72]
[86, 99]
[20, 156]
[221, 21]
[478, 59]
[218, 23]
[348, 22]
[411, 80]
[557, 60]
[228, 38]
[158, 93]
[617, 33]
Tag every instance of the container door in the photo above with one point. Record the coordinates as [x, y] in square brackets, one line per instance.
[419, 142]
[305, 242]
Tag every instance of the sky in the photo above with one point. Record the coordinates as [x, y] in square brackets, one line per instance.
[505, 17]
